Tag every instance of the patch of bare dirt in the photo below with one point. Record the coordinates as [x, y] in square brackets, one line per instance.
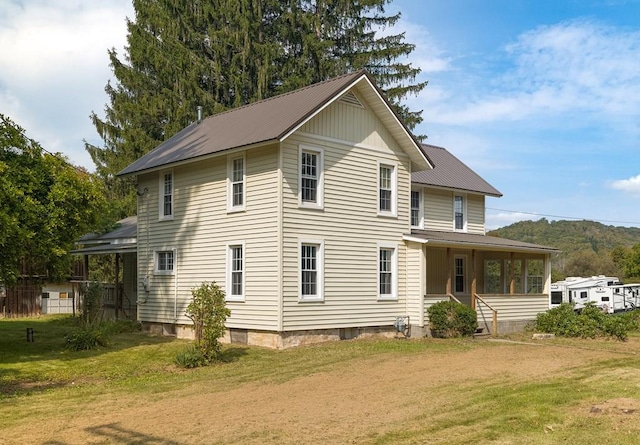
[341, 406]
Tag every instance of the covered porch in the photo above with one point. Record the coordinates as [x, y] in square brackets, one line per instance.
[119, 298]
[507, 282]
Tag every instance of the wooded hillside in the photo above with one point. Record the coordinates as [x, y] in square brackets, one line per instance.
[587, 247]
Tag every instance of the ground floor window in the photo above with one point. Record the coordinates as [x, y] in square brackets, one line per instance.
[164, 262]
[310, 271]
[387, 272]
[459, 269]
[235, 271]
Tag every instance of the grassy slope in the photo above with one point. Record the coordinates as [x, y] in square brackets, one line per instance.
[39, 380]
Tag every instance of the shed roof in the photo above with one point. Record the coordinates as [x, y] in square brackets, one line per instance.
[122, 239]
[272, 120]
[451, 173]
[471, 240]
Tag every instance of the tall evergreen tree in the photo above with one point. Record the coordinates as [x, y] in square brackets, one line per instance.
[221, 54]
[322, 39]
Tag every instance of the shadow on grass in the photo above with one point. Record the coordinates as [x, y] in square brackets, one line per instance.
[113, 433]
[232, 354]
[49, 342]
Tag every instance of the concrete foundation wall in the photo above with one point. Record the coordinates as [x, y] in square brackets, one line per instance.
[275, 340]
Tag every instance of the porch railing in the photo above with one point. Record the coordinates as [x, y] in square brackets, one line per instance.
[494, 327]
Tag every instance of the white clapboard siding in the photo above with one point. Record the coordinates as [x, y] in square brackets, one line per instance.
[436, 270]
[348, 224]
[415, 282]
[201, 230]
[438, 209]
[475, 214]
[514, 307]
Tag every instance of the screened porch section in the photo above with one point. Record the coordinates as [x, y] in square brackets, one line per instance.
[506, 288]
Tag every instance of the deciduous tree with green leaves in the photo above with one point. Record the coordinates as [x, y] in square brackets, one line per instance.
[46, 205]
[221, 54]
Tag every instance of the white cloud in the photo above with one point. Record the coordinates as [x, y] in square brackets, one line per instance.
[54, 67]
[631, 185]
[578, 67]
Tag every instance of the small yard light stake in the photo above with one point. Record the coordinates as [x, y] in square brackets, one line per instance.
[30, 335]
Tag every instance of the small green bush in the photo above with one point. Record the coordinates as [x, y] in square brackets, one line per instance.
[190, 357]
[85, 338]
[450, 319]
[591, 322]
[208, 312]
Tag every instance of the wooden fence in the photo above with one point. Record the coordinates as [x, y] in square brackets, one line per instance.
[21, 301]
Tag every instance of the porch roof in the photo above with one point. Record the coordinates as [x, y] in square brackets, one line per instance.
[470, 240]
[106, 249]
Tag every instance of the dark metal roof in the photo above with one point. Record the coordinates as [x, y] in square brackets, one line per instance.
[125, 229]
[101, 249]
[265, 121]
[470, 240]
[122, 239]
[449, 172]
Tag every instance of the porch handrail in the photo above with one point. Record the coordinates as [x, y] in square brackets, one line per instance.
[494, 328]
[453, 298]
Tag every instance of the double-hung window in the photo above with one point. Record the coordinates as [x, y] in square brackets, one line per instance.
[387, 189]
[236, 183]
[387, 272]
[164, 262]
[460, 280]
[458, 212]
[235, 271]
[311, 177]
[416, 209]
[311, 270]
[166, 195]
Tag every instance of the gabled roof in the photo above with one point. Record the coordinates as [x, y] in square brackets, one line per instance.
[470, 240]
[272, 120]
[451, 173]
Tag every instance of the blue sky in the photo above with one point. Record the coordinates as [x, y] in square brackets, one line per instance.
[540, 97]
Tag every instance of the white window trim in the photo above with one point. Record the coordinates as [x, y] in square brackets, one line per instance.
[394, 272]
[320, 192]
[420, 209]
[320, 263]
[228, 295]
[156, 261]
[230, 207]
[464, 212]
[394, 189]
[161, 215]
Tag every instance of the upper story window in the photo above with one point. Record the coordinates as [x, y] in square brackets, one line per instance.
[164, 262]
[311, 271]
[236, 183]
[387, 189]
[311, 177]
[459, 212]
[166, 195]
[416, 208]
[235, 271]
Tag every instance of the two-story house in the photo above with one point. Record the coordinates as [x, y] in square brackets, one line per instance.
[322, 218]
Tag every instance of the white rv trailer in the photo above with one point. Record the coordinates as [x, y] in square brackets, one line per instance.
[607, 293]
[561, 290]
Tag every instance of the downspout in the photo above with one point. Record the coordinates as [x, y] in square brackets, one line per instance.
[175, 285]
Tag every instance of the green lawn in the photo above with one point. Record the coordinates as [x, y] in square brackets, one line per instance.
[38, 380]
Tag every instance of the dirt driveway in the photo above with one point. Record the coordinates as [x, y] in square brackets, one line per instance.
[339, 406]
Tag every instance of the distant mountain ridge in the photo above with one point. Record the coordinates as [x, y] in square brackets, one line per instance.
[570, 236]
